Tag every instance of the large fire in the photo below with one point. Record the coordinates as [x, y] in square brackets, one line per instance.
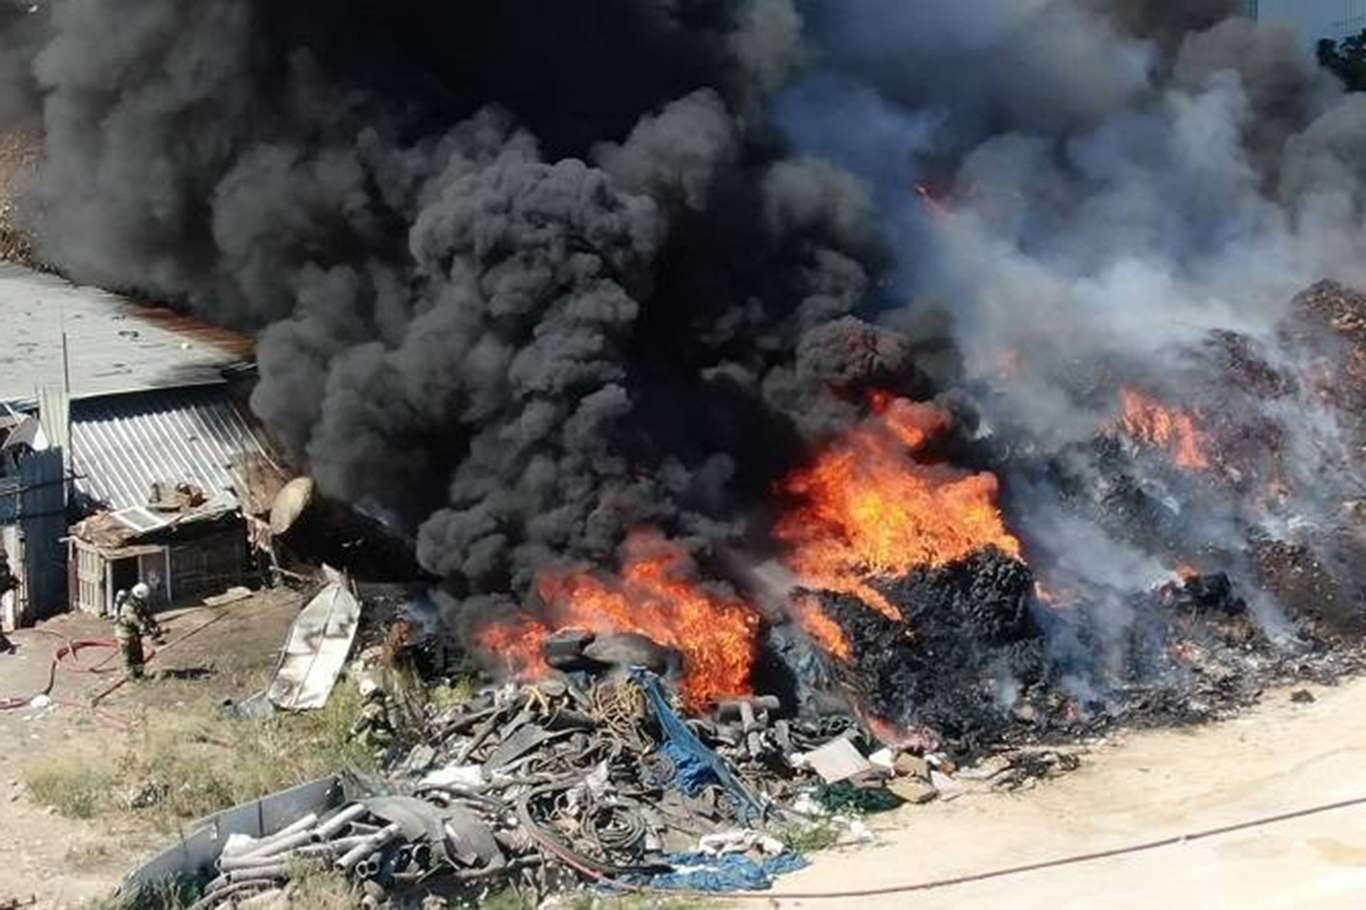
[1146, 420]
[869, 508]
[655, 595]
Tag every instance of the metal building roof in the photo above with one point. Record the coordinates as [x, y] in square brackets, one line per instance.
[121, 445]
[114, 344]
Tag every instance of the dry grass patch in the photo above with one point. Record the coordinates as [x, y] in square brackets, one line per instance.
[73, 788]
[192, 763]
[204, 762]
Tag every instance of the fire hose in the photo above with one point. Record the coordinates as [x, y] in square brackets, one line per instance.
[65, 656]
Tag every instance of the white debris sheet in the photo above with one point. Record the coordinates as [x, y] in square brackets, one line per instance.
[835, 761]
[316, 649]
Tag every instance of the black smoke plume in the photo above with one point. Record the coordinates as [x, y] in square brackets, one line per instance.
[524, 274]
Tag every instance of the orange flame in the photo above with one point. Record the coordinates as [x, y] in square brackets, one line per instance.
[655, 596]
[517, 644]
[1146, 420]
[822, 629]
[871, 510]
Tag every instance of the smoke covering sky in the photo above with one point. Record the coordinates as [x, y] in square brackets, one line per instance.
[527, 274]
[1110, 183]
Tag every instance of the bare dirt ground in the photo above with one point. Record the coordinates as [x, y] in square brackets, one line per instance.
[64, 861]
[1279, 758]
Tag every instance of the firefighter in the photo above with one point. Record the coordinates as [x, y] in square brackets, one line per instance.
[7, 583]
[133, 619]
[138, 600]
[374, 728]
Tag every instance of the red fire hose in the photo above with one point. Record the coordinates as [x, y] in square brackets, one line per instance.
[65, 657]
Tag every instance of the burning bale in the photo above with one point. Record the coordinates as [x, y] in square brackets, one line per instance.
[871, 507]
[950, 664]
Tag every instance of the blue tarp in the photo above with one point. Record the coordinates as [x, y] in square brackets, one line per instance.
[695, 765]
[732, 872]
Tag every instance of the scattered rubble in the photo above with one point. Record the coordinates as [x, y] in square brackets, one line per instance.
[599, 780]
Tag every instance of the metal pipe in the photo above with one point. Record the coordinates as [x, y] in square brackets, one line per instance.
[312, 851]
[260, 844]
[209, 900]
[422, 855]
[256, 860]
[276, 868]
[372, 843]
[280, 870]
[262, 900]
[300, 824]
[284, 845]
[236, 877]
[342, 844]
[336, 823]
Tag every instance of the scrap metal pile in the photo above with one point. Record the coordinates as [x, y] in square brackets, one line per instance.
[547, 785]
[538, 784]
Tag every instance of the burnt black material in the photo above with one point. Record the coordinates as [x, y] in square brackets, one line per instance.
[964, 646]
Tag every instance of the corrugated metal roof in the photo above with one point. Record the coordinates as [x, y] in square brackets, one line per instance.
[125, 443]
[115, 345]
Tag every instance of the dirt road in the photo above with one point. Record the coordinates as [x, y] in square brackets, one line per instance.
[1279, 758]
[63, 861]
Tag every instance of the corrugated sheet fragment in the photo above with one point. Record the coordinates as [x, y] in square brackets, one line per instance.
[123, 444]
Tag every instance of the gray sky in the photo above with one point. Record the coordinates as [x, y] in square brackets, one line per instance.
[1316, 19]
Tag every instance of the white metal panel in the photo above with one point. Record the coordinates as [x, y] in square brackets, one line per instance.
[316, 650]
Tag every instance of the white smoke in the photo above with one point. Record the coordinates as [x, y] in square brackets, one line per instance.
[1114, 183]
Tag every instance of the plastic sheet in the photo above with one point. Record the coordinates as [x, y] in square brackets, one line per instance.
[731, 872]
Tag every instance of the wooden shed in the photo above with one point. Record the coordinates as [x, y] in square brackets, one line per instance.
[182, 561]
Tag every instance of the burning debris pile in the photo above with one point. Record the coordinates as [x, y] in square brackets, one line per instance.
[609, 352]
[908, 604]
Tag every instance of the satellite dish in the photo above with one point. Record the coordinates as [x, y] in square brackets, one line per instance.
[291, 502]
